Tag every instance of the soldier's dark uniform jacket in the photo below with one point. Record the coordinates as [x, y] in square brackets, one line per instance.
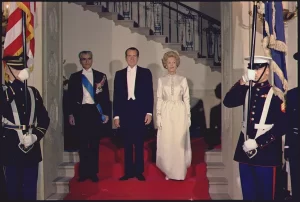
[269, 151]
[11, 154]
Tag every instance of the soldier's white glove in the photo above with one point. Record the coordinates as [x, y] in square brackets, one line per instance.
[249, 144]
[249, 75]
[28, 140]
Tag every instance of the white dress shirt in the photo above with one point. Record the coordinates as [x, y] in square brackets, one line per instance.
[87, 99]
[131, 75]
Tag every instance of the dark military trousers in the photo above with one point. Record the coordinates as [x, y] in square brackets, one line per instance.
[258, 183]
[295, 176]
[21, 182]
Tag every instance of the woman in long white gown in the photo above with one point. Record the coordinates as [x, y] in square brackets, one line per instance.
[173, 155]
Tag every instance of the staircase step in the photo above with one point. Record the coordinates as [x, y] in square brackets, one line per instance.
[94, 8]
[205, 61]
[71, 157]
[111, 15]
[218, 185]
[141, 30]
[215, 169]
[215, 68]
[158, 38]
[126, 23]
[66, 169]
[190, 54]
[174, 46]
[56, 197]
[61, 184]
[220, 197]
[214, 155]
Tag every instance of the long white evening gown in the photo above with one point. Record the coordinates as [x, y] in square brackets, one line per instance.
[173, 155]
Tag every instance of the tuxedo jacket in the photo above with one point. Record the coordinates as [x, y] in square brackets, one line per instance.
[143, 93]
[75, 93]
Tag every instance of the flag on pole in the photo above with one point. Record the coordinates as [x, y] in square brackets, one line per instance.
[274, 45]
[13, 43]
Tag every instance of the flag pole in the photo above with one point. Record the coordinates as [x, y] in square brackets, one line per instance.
[24, 56]
[251, 60]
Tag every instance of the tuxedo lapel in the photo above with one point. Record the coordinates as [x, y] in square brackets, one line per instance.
[95, 79]
[80, 85]
[125, 81]
[137, 76]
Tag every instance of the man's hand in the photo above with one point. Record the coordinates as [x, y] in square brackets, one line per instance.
[71, 120]
[117, 123]
[250, 144]
[249, 75]
[28, 140]
[106, 119]
[148, 119]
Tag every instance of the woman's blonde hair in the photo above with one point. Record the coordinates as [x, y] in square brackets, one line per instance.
[170, 54]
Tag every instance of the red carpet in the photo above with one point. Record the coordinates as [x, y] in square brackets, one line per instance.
[195, 186]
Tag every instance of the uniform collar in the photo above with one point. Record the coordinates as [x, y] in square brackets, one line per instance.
[262, 84]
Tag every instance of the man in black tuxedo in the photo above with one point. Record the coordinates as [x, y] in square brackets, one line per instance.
[132, 111]
[89, 109]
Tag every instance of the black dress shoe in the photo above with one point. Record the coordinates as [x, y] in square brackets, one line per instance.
[82, 179]
[125, 177]
[94, 178]
[140, 177]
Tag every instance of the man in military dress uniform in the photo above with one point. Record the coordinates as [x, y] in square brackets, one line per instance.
[292, 139]
[259, 148]
[2, 179]
[25, 121]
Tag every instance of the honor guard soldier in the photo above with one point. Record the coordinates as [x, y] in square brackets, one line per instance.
[292, 138]
[25, 121]
[259, 148]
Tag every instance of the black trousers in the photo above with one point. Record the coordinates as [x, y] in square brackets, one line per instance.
[133, 131]
[133, 140]
[89, 125]
[21, 182]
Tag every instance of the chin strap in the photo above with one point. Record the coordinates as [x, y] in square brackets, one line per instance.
[11, 71]
[261, 75]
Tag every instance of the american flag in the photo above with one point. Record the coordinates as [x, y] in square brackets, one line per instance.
[274, 45]
[13, 43]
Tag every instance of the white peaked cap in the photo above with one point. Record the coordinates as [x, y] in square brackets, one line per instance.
[260, 59]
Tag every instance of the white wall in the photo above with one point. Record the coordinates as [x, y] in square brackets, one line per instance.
[84, 30]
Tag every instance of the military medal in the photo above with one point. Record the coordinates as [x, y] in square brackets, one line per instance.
[99, 85]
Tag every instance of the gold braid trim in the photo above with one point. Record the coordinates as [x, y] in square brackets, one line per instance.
[279, 46]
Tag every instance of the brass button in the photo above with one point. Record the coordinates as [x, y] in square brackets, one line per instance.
[252, 119]
[257, 89]
[253, 112]
[256, 95]
[254, 106]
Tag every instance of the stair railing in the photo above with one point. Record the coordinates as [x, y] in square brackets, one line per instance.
[179, 22]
